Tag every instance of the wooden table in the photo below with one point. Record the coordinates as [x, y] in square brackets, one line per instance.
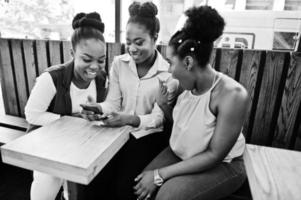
[273, 174]
[71, 148]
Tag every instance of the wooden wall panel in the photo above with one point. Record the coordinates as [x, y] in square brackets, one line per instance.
[54, 52]
[266, 105]
[66, 51]
[7, 79]
[41, 56]
[21, 83]
[248, 78]
[287, 118]
[113, 49]
[30, 65]
[230, 59]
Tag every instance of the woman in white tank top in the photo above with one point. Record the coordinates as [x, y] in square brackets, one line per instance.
[204, 158]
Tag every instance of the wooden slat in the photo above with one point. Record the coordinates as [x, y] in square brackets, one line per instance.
[54, 52]
[248, 78]
[267, 98]
[290, 104]
[297, 144]
[8, 134]
[66, 51]
[7, 80]
[20, 75]
[213, 58]
[229, 61]
[113, 49]
[41, 55]
[70, 148]
[29, 57]
[162, 50]
[273, 173]
[13, 122]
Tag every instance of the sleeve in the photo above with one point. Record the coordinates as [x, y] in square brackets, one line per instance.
[114, 97]
[153, 120]
[156, 118]
[39, 100]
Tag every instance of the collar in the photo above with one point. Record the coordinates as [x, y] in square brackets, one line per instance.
[160, 65]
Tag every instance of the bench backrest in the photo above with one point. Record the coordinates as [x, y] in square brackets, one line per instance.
[273, 79]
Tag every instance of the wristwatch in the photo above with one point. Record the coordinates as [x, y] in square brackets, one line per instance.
[158, 180]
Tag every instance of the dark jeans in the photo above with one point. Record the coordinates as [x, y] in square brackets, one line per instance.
[116, 180]
[215, 183]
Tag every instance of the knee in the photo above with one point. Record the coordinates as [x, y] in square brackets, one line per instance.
[45, 187]
[168, 192]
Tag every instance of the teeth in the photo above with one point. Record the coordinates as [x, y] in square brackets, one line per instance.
[91, 73]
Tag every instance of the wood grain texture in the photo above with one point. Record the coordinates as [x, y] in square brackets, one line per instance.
[8, 134]
[13, 122]
[297, 144]
[41, 55]
[30, 66]
[70, 148]
[21, 84]
[213, 58]
[7, 80]
[66, 51]
[265, 109]
[54, 52]
[248, 78]
[113, 49]
[229, 61]
[290, 104]
[273, 174]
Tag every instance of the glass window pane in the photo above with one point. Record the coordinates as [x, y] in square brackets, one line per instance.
[292, 5]
[284, 40]
[259, 5]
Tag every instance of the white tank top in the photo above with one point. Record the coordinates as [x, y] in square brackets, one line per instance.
[194, 126]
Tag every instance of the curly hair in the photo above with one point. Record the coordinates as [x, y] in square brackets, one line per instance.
[202, 27]
[145, 14]
[87, 26]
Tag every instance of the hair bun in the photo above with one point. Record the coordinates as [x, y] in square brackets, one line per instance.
[88, 20]
[147, 9]
[204, 23]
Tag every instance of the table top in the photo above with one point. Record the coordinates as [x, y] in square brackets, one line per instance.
[273, 173]
[71, 148]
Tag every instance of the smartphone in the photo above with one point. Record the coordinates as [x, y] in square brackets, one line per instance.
[103, 117]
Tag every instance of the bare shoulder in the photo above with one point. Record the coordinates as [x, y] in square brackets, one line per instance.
[230, 93]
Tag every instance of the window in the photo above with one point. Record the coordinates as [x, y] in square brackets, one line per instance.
[285, 41]
[259, 5]
[292, 5]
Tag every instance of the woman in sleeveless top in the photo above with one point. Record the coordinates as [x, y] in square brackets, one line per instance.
[204, 156]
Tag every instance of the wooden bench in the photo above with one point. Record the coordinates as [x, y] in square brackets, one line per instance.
[273, 173]
[11, 127]
[272, 78]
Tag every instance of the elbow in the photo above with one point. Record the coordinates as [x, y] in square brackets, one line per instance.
[215, 157]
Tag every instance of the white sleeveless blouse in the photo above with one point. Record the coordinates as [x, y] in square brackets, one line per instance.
[194, 126]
